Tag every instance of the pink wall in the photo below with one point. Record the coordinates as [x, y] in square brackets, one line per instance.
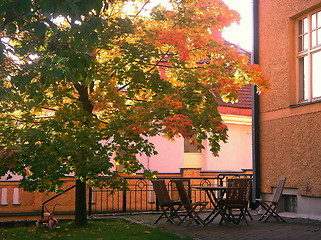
[170, 156]
[236, 154]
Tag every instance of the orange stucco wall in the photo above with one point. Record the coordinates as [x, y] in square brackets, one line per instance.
[290, 136]
[30, 202]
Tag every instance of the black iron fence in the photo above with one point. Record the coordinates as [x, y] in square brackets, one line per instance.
[140, 196]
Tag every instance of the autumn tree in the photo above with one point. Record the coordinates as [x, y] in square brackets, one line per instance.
[83, 82]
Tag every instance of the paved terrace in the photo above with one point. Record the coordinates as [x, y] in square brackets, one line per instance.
[294, 228]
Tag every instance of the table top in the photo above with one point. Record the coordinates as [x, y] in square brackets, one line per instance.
[212, 188]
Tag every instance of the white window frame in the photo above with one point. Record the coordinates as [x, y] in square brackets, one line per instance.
[308, 53]
[4, 196]
[16, 196]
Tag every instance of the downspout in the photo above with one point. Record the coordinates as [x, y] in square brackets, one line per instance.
[256, 112]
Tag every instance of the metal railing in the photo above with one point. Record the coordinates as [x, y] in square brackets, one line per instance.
[140, 197]
[52, 198]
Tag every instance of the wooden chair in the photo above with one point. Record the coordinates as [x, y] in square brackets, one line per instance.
[192, 210]
[245, 182]
[236, 199]
[169, 207]
[173, 190]
[270, 206]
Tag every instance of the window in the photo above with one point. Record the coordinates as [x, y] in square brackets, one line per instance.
[15, 199]
[309, 57]
[189, 147]
[4, 196]
[290, 203]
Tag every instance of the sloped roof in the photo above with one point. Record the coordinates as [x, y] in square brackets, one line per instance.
[245, 93]
[245, 99]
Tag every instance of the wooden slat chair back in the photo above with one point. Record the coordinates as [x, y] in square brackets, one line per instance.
[236, 199]
[174, 193]
[278, 191]
[169, 207]
[270, 206]
[244, 182]
[192, 210]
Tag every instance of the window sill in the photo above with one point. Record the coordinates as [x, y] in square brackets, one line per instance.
[305, 103]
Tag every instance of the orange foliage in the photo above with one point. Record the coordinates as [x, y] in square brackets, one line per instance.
[177, 125]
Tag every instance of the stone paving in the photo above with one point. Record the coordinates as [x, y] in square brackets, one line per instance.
[293, 229]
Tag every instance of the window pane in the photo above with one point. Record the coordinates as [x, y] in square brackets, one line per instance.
[300, 44]
[316, 75]
[189, 147]
[305, 25]
[314, 38]
[319, 36]
[303, 79]
[319, 19]
[314, 21]
[300, 27]
[305, 42]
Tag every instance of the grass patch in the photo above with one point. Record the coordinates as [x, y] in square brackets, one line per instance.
[95, 230]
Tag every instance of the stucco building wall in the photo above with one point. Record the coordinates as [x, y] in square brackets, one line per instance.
[30, 202]
[170, 157]
[290, 140]
[236, 153]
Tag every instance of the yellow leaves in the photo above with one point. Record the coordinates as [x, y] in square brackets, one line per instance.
[254, 75]
[176, 81]
[7, 83]
[104, 55]
[37, 112]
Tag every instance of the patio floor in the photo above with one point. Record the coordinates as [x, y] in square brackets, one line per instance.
[294, 228]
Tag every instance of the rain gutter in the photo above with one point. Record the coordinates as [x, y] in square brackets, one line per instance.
[256, 111]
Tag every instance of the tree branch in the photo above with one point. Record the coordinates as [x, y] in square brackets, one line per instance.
[152, 68]
[141, 9]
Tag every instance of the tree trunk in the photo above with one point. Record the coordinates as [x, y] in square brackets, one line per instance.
[81, 203]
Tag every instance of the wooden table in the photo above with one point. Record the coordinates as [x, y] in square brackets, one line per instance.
[214, 199]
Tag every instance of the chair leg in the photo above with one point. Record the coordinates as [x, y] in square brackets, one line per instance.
[194, 216]
[275, 215]
[243, 215]
[197, 217]
[229, 216]
[267, 211]
[159, 218]
[174, 212]
[184, 218]
[279, 217]
[164, 214]
[248, 213]
[270, 212]
[226, 215]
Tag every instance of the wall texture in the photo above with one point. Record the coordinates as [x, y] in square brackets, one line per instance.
[290, 136]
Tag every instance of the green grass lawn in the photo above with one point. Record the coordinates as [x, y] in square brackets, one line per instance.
[95, 230]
